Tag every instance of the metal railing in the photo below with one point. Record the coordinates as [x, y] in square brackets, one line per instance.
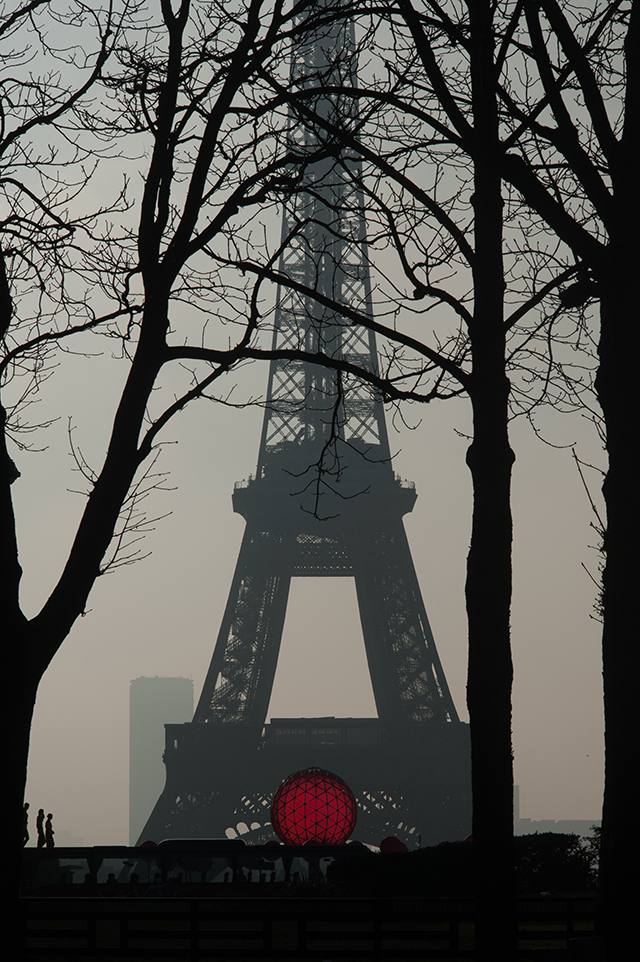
[329, 929]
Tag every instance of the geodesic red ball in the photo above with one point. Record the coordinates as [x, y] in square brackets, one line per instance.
[313, 806]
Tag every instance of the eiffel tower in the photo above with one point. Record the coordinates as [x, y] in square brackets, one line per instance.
[324, 502]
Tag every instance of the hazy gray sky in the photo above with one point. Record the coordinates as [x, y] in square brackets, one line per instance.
[161, 616]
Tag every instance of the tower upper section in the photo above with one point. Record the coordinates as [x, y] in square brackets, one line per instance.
[324, 249]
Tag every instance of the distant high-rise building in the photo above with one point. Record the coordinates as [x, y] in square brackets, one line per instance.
[153, 702]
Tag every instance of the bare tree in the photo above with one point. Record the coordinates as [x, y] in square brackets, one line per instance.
[425, 150]
[186, 83]
[542, 97]
[45, 240]
[572, 155]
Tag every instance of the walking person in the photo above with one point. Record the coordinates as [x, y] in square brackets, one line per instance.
[49, 832]
[25, 823]
[40, 827]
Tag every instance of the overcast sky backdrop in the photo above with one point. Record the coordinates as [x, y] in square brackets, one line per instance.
[161, 616]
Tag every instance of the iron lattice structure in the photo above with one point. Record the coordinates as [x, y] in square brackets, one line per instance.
[324, 502]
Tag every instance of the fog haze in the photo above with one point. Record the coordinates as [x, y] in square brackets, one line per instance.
[161, 616]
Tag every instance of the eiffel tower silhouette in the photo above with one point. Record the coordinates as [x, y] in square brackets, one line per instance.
[324, 502]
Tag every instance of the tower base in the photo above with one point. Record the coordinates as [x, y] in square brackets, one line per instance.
[412, 781]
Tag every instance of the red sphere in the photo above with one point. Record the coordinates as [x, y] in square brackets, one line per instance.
[313, 806]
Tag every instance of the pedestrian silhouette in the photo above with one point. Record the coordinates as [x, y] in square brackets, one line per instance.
[49, 832]
[40, 827]
[25, 823]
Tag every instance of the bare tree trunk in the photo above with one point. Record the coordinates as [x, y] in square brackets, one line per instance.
[619, 396]
[488, 587]
[14, 652]
[617, 384]
[21, 683]
[488, 597]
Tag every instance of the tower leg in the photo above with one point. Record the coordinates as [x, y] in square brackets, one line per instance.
[407, 678]
[238, 685]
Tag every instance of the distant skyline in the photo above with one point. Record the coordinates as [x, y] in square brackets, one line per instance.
[161, 616]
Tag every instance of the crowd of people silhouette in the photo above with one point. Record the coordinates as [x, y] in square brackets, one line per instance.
[44, 829]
